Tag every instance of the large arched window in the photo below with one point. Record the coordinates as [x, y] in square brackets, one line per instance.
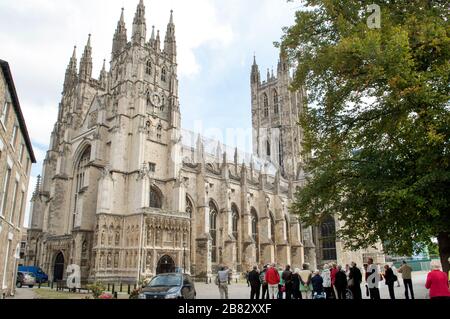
[235, 221]
[155, 197]
[213, 230]
[275, 102]
[328, 238]
[266, 105]
[163, 74]
[272, 227]
[255, 232]
[189, 207]
[80, 174]
[148, 68]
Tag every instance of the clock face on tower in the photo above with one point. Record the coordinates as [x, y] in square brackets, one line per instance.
[156, 99]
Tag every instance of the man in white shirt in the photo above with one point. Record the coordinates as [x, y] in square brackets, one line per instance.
[373, 279]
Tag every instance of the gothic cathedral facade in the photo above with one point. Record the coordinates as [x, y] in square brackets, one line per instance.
[126, 193]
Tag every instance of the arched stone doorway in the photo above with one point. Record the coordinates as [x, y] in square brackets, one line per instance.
[165, 265]
[58, 267]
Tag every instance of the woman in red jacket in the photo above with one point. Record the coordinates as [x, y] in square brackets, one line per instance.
[437, 282]
[273, 279]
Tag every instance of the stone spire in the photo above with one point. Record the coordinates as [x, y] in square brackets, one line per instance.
[71, 71]
[152, 38]
[255, 75]
[170, 43]
[120, 37]
[103, 75]
[158, 41]
[139, 26]
[86, 62]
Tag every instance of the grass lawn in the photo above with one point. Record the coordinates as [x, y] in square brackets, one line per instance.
[53, 294]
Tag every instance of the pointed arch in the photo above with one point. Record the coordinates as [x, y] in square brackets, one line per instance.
[164, 74]
[156, 197]
[213, 213]
[266, 105]
[275, 101]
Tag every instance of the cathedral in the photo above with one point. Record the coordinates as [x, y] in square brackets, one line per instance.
[126, 193]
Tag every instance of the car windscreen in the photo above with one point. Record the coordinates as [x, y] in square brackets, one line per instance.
[165, 281]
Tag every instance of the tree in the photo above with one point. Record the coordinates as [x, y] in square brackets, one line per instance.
[376, 134]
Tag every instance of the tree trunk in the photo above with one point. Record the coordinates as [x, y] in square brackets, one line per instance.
[444, 250]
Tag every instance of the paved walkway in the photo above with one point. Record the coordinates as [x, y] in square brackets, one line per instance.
[241, 291]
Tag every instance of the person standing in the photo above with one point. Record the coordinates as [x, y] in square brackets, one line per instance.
[273, 279]
[373, 279]
[281, 286]
[389, 279]
[340, 283]
[287, 278]
[265, 287]
[222, 282]
[296, 284]
[317, 285]
[406, 271]
[255, 283]
[326, 276]
[333, 271]
[437, 282]
[305, 282]
[355, 279]
[394, 270]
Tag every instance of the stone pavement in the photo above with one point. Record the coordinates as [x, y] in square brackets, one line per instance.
[241, 291]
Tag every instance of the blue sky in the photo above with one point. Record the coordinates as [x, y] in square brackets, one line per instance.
[216, 42]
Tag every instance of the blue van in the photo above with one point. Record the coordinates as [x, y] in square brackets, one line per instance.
[36, 271]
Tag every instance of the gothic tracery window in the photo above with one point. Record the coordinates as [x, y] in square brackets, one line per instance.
[328, 238]
[275, 102]
[80, 173]
[255, 232]
[266, 105]
[235, 221]
[148, 68]
[155, 198]
[213, 230]
[163, 74]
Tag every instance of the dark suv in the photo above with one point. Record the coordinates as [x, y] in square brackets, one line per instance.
[169, 286]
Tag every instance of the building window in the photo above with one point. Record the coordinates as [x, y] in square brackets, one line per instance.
[235, 221]
[152, 167]
[5, 112]
[272, 227]
[14, 136]
[328, 238]
[266, 105]
[275, 102]
[268, 148]
[22, 202]
[14, 200]
[189, 207]
[163, 75]
[22, 147]
[148, 68]
[255, 233]
[155, 198]
[159, 132]
[213, 230]
[80, 174]
[3, 204]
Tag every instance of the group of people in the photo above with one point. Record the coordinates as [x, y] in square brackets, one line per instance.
[334, 282]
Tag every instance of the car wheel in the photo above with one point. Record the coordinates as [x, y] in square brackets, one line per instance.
[30, 286]
[19, 285]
